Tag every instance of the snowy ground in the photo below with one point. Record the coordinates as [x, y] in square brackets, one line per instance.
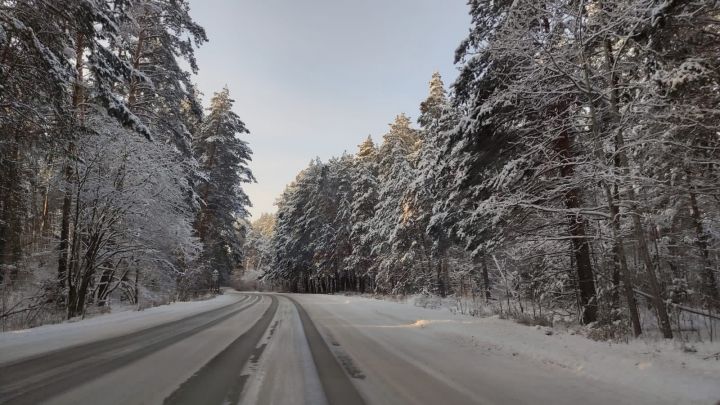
[28, 342]
[500, 361]
[258, 349]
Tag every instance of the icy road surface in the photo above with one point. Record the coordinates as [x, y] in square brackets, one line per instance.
[300, 349]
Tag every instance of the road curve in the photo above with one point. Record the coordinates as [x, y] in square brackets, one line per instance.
[301, 350]
[88, 372]
[338, 387]
[220, 380]
[31, 380]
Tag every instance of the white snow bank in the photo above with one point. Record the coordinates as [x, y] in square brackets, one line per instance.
[29, 342]
[662, 368]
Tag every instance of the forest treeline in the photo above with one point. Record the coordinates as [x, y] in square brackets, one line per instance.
[115, 183]
[572, 169]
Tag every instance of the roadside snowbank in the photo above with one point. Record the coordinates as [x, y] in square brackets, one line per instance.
[665, 368]
[28, 342]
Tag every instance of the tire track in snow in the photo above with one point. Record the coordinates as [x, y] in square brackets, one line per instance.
[32, 380]
[339, 389]
[220, 381]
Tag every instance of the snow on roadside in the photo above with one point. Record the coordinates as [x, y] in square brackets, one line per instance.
[29, 342]
[660, 367]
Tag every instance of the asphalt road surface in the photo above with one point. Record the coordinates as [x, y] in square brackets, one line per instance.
[291, 349]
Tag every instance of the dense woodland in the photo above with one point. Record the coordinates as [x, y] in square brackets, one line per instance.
[115, 184]
[572, 170]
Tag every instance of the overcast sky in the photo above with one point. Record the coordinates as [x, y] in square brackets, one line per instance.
[315, 77]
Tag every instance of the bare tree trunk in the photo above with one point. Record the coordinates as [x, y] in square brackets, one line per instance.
[622, 164]
[613, 196]
[709, 284]
[63, 264]
[10, 221]
[132, 92]
[439, 279]
[576, 228]
[647, 262]
[136, 286]
[622, 268]
[45, 220]
[446, 276]
[65, 231]
[104, 285]
[486, 279]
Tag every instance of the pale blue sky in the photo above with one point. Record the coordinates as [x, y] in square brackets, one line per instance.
[315, 77]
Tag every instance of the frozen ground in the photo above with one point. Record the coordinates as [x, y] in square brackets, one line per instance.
[269, 349]
[28, 342]
[466, 349]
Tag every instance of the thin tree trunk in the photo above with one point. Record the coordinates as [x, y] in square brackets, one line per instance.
[576, 228]
[440, 284]
[622, 162]
[610, 196]
[64, 235]
[709, 284]
[486, 279]
[132, 93]
[647, 262]
[136, 286]
[622, 268]
[10, 221]
[63, 264]
[104, 286]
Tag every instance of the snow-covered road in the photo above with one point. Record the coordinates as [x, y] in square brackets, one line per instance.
[301, 349]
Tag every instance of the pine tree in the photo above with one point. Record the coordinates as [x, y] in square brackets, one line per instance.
[258, 243]
[160, 33]
[224, 159]
[79, 81]
[393, 210]
[364, 183]
[573, 159]
[432, 109]
[292, 240]
[432, 182]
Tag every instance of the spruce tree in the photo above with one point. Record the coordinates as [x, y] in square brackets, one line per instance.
[223, 158]
[431, 184]
[393, 210]
[364, 183]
